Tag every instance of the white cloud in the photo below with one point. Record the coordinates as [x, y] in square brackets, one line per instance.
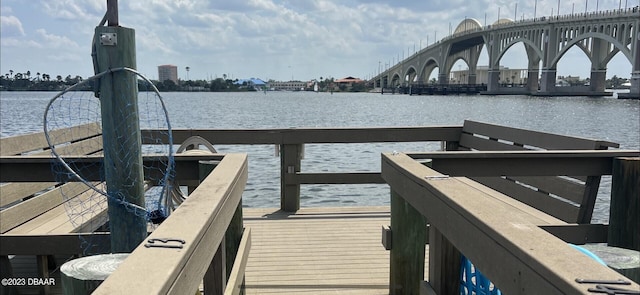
[19, 43]
[86, 10]
[274, 38]
[55, 41]
[11, 26]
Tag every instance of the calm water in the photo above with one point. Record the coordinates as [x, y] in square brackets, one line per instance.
[599, 118]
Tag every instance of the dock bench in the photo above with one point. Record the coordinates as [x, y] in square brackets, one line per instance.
[569, 198]
[33, 218]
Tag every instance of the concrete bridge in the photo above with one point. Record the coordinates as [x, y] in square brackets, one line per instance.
[600, 35]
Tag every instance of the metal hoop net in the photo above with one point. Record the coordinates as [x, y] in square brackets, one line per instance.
[73, 128]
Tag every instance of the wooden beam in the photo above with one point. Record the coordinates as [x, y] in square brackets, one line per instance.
[579, 234]
[38, 169]
[524, 163]
[334, 178]
[54, 243]
[312, 135]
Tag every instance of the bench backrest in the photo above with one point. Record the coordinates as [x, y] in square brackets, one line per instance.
[569, 198]
[21, 202]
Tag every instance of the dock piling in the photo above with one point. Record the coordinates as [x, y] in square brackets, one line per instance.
[115, 48]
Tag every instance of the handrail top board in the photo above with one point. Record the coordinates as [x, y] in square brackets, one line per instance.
[314, 135]
[524, 154]
[200, 221]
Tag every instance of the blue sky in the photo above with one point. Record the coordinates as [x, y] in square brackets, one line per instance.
[267, 39]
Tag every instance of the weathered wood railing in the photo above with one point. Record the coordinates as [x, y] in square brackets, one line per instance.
[291, 143]
[504, 238]
[292, 140]
[201, 222]
[225, 185]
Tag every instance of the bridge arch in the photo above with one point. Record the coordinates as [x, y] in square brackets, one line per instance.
[503, 21]
[395, 80]
[428, 67]
[596, 35]
[411, 74]
[528, 44]
[468, 24]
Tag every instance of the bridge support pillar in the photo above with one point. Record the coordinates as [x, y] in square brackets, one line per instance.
[493, 80]
[597, 80]
[635, 74]
[635, 83]
[548, 80]
[471, 79]
[443, 79]
[532, 81]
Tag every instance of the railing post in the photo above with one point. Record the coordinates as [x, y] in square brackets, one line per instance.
[444, 264]
[215, 279]
[232, 238]
[290, 163]
[624, 219]
[408, 238]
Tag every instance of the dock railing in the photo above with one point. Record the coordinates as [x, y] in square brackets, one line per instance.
[292, 140]
[209, 219]
[504, 239]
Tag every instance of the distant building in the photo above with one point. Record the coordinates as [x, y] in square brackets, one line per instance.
[254, 83]
[507, 76]
[288, 86]
[168, 72]
[348, 81]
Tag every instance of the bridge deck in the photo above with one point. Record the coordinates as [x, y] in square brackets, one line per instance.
[317, 251]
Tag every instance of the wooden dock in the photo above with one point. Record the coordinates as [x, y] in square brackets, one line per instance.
[317, 251]
[335, 250]
[339, 250]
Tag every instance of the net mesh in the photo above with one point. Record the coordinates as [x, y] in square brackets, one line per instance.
[73, 128]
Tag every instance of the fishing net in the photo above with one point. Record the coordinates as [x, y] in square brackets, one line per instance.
[73, 129]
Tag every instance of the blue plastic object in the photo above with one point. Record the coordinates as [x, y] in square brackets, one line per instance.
[473, 282]
[589, 253]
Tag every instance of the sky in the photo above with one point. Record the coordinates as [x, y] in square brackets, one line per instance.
[266, 39]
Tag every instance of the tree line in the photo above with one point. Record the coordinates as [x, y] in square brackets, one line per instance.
[40, 82]
[18, 81]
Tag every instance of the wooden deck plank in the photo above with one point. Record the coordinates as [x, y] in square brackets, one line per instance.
[317, 251]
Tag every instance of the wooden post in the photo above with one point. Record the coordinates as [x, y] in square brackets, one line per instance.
[115, 48]
[215, 278]
[217, 274]
[444, 264]
[290, 163]
[408, 235]
[233, 237]
[624, 219]
[6, 271]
